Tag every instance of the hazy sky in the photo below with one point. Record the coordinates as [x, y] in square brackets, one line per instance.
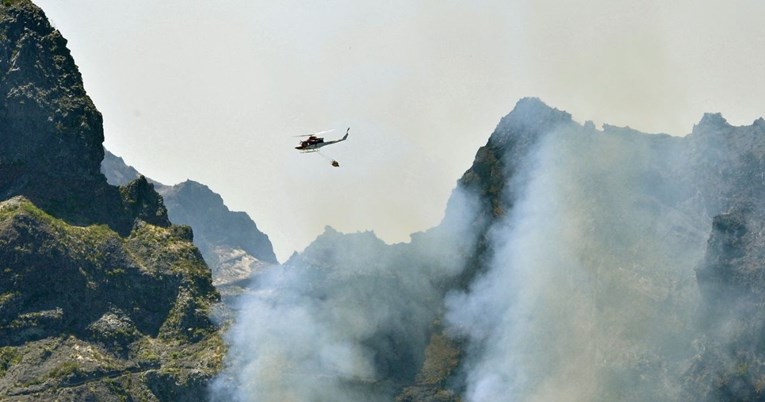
[214, 90]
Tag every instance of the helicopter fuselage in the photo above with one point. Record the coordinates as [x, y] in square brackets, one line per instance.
[313, 143]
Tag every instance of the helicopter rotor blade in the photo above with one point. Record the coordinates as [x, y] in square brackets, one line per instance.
[320, 132]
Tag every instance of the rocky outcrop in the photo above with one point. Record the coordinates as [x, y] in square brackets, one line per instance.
[51, 131]
[730, 364]
[230, 241]
[141, 201]
[101, 297]
[86, 313]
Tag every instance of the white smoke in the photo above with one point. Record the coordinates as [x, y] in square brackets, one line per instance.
[591, 286]
[287, 348]
[347, 320]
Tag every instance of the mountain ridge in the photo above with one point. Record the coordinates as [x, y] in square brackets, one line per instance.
[703, 179]
[230, 241]
[101, 296]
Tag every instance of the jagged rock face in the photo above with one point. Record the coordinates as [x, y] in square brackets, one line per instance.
[497, 162]
[494, 166]
[133, 305]
[51, 132]
[731, 362]
[141, 201]
[194, 204]
[229, 241]
[70, 277]
[499, 159]
[101, 297]
[731, 277]
[730, 162]
[45, 106]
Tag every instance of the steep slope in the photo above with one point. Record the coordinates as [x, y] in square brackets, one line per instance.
[230, 241]
[52, 132]
[119, 173]
[731, 277]
[225, 237]
[588, 284]
[101, 297]
[591, 240]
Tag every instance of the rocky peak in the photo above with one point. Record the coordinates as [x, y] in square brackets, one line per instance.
[51, 134]
[508, 145]
[711, 121]
[194, 204]
[47, 116]
[144, 203]
[195, 191]
[529, 116]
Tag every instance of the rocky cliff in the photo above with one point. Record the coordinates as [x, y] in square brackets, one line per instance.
[52, 132]
[731, 276]
[230, 241]
[101, 297]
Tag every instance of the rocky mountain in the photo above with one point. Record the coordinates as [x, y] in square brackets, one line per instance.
[101, 296]
[573, 263]
[119, 173]
[230, 241]
[672, 314]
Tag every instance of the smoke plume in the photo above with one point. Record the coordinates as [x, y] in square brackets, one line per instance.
[590, 292]
[346, 320]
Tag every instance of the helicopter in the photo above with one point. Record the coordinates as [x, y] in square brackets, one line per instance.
[313, 143]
